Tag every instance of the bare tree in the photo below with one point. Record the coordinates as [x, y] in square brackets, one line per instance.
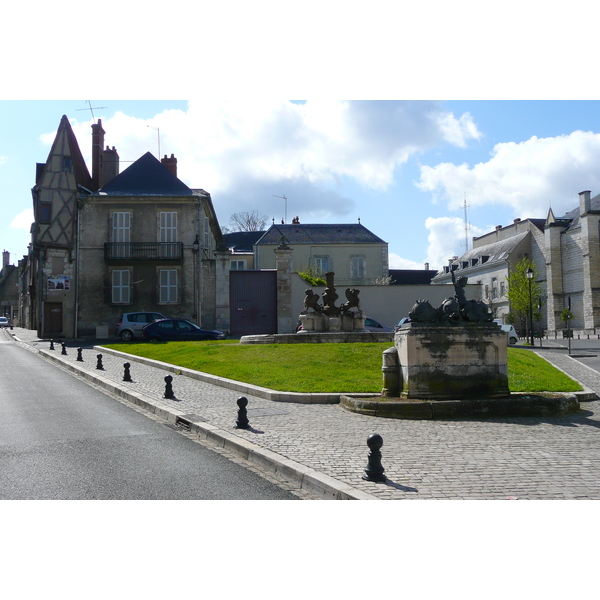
[248, 221]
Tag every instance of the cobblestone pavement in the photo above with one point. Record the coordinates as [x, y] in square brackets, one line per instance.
[500, 458]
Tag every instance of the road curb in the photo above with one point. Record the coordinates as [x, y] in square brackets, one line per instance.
[304, 477]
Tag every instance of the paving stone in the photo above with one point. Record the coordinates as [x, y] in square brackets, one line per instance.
[525, 457]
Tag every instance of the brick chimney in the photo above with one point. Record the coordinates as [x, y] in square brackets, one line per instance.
[170, 163]
[584, 202]
[97, 153]
[5, 259]
[110, 165]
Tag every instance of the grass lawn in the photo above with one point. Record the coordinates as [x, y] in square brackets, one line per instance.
[351, 368]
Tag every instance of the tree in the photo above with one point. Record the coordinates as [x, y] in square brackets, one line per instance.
[247, 221]
[518, 288]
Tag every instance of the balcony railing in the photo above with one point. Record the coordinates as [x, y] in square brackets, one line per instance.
[143, 251]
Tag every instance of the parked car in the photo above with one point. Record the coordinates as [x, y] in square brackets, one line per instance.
[178, 330]
[373, 325]
[513, 336]
[401, 322]
[4, 322]
[130, 325]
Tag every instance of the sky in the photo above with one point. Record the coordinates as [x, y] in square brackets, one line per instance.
[425, 176]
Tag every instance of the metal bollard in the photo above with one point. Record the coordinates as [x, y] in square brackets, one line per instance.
[52, 344]
[374, 470]
[79, 357]
[169, 387]
[127, 374]
[64, 349]
[242, 420]
[99, 365]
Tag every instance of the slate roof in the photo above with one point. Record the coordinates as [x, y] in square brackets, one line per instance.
[496, 252]
[412, 276]
[319, 234]
[242, 241]
[573, 215]
[82, 175]
[146, 176]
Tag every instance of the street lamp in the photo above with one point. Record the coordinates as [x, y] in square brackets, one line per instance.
[530, 278]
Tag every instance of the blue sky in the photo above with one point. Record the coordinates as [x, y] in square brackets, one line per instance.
[405, 168]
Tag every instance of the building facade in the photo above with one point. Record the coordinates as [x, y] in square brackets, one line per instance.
[356, 255]
[566, 253]
[110, 242]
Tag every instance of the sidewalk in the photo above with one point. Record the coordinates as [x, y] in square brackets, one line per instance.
[322, 447]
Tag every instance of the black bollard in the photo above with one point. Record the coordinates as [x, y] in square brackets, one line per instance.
[169, 387]
[374, 470]
[99, 365]
[52, 344]
[242, 420]
[64, 349]
[79, 357]
[127, 375]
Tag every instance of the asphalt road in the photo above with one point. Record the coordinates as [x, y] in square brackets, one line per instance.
[63, 439]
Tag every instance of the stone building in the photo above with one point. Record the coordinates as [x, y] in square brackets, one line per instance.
[355, 254]
[566, 253]
[493, 255]
[110, 242]
[9, 291]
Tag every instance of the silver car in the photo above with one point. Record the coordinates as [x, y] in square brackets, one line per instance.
[130, 325]
[4, 322]
[375, 326]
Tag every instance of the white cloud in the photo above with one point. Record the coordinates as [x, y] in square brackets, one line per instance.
[244, 152]
[397, 262]
[528, 177]
[23, 220]
[447, 239]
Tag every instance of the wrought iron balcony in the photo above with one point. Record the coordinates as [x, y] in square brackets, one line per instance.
[130, 251]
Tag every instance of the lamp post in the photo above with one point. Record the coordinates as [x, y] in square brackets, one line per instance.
[530, 278]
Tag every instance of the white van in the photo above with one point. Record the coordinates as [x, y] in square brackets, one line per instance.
[513, 338]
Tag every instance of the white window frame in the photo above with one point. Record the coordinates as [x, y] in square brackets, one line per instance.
[358, 267]
[238, 265]
[121, 227]
[168, 284]
[319, 261]
[121, 286]
[167, 227]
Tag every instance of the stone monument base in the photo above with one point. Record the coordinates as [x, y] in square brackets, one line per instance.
[447, 362]
[315, 322]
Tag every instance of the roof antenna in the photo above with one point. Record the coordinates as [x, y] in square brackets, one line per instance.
[285, 213]
[158, 130]
[466, 224]
[92, 109]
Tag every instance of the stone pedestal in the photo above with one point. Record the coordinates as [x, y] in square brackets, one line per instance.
[315, 322]
[444, 362]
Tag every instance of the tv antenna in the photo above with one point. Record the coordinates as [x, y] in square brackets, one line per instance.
[158, 133]
[466, 224]
[92, 109]
[285, 210]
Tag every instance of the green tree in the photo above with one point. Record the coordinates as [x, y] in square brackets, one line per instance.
[518, 288]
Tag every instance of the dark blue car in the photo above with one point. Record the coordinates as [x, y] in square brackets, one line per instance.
[178, 330]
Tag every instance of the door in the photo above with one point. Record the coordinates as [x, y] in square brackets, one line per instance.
[53, 317]
[253, 302]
